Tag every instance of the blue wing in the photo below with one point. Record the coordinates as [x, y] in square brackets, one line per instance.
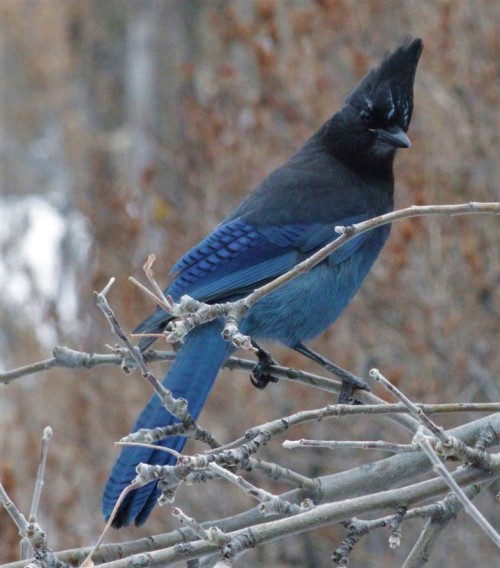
[239, 256]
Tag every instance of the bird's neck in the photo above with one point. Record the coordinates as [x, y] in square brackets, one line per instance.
[356, 152]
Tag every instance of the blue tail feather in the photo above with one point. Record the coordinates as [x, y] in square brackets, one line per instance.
[191, 376]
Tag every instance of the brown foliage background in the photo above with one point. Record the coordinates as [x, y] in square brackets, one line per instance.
[143, 123]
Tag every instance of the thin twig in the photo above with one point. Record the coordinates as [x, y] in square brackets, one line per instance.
[424, 442]
[415, 411]
[379, 476]
[175, 406]
[193, 313]
[33, 533]
[334, 445]
[47, 435]
[352, 231]
[270, 504]
[15, 514]
[439, 515]
[316, 517]
[26, 548]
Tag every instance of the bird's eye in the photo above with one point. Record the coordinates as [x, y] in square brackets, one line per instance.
[365, 116]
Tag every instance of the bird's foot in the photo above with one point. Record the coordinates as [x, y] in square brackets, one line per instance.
[346, 395]
[350, 383]
[261, 375]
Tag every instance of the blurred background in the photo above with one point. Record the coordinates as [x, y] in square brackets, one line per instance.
[130, 127]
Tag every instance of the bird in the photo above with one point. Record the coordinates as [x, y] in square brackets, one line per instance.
[342, 175]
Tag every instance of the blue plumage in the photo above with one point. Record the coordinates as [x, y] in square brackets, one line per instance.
[187, 378]
[340, 176]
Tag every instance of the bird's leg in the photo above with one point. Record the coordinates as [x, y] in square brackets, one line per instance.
[261, 376]
[350, 382]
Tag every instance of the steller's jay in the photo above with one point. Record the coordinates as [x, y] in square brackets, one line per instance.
[342, 175]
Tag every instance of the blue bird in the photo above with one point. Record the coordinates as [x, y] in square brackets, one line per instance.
[342, 175]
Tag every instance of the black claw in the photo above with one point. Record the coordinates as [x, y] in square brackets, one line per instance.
[261, 380]
[261, 376]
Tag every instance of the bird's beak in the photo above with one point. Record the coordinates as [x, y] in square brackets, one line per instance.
[393, 136]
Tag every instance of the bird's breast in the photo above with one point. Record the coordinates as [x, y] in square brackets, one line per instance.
[304, 307]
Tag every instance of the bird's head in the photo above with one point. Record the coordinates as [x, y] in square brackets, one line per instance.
[374, 122]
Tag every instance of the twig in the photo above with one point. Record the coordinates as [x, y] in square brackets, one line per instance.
[232, 547]
[26, 549]
[424, 442]
[15, 514]
[65, 357]
[175, 547]
[334, 445]
[440, 514]
[47, 435]
[176, 406]
[285, 474]
[212, 535]
[415, 411]
[150, 447]
[270, 504]
[356, 529]
[193, 313]
[264, 432]
[152, 435]
[447, 445]
[88, 562]
[33, 533]
[70, 358]
[168, 401]
[349, 233]
[395, 526]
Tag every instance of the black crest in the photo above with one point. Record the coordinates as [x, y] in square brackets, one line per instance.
[387, 91]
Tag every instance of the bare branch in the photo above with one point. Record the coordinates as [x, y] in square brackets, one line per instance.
[440, 514]
[425, 443]
[270, 504]
[313, 518]
[15, 514]
[176, 406]
[47, 435]
[192, 313]
[334, 445]
[33, 534]
[381, 476]
[415, 411]
[349, 233]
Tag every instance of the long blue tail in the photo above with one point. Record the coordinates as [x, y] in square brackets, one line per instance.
[191, 376]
